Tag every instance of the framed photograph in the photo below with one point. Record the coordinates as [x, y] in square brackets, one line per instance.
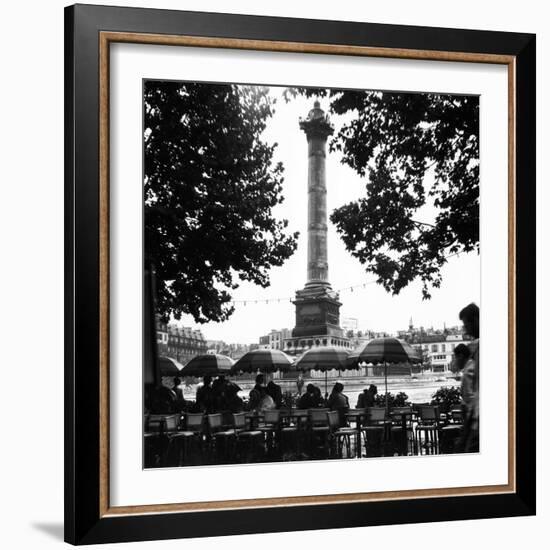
[300, 274]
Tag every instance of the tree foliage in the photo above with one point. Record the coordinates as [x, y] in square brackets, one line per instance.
[210, 189]
[419, 154]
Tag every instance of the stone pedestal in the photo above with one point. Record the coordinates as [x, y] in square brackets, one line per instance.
[317, 313]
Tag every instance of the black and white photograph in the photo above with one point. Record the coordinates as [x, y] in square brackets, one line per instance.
[274, 274]
[311, 274]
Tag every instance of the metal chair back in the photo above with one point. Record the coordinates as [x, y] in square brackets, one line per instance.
[171, 423]
[194, 422]
[272, 416]
[239, 421]
[377, 414]
[214, 422]
[457, 417]
[400, 410]
[333, 420]
[155, 423]
[429, 413]
[318, 417]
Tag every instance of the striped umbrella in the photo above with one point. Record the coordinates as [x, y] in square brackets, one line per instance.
[324, 359]
[386, 351]
[208, 365]
[263, 360]
[168, 366]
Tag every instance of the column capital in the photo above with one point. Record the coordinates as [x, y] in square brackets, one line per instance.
[317, 124]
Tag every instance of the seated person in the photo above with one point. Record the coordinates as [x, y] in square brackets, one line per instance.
[339, 402]
[163, 400]
[181, 405]
[204, 398]
[266, 401]
[366, 399]
[318, 397]
[274, 390]
[309, 400]
[255, 394]
[233, 403]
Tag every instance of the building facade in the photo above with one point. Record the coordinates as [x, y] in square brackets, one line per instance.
[275, 339]
[436, 346]
[180, 343]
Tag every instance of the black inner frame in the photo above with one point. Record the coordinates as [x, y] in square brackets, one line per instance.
[83, 524]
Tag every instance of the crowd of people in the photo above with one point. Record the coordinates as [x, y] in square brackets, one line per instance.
[222, 395]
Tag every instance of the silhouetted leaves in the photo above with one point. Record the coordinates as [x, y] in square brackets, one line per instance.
[415, 151]
[210, 187]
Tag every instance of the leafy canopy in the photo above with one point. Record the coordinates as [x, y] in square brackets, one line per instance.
[418, 153]
[210, 189]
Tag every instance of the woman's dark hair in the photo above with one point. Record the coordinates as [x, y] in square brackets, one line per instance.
[470, 312]
[462, 349]
[338, 387]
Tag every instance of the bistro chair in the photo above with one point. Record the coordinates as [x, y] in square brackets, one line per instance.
[220, 438]
[171, 440]
[427, 429]
[359, 416]
[319, 430]
[374, 430]
[291, 430]
[195, 423]
[252, 440]
[456, 416]
[178, 439]
[152, 442]
[340, 435]
[270, 428]
[401, 427]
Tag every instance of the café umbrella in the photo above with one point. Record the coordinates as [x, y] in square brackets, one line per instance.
[324, 359]
[263, 360]
[209, 364]
[168, 366]
[385, 351]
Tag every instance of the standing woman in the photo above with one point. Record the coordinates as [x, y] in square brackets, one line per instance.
[470, 437]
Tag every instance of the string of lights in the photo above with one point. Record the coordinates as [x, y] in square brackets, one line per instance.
[284, 299]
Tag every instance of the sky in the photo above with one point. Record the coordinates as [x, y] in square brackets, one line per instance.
[373, 307]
